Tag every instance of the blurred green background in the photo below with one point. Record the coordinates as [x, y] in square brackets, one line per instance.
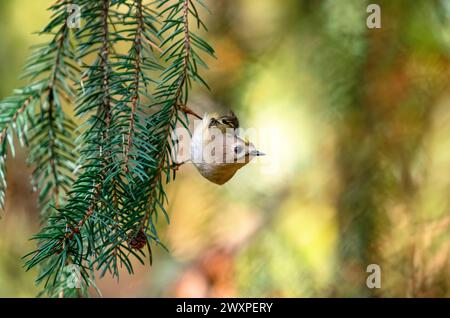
[357, 126]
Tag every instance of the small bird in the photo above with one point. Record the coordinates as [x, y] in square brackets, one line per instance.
[216, 149]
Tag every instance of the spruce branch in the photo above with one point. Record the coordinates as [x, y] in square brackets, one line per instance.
[125, 145]
[61, 240]
[85, 229]
[35, 113]
[52, 153]
[48, 133]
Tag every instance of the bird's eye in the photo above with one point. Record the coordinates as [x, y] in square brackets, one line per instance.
[237, 149]
[213, 123]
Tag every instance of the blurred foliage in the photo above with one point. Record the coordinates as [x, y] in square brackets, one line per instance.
[358, 163]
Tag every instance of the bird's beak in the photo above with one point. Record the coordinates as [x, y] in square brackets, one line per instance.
[256, 153]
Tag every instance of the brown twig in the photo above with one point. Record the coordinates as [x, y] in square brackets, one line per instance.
[104, 66]
[189, 111]
[153, 45]
[106, 105]
[137, 65]
[50, 99]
